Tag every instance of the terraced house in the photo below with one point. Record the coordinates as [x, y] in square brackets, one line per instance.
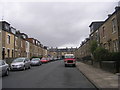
[7, 35]
[84, 49]
[59, 53]
[36, 48]
[106, 33]
[22, 45]
[94, 31]
[109, 32]
[31, 46]
[15, 44]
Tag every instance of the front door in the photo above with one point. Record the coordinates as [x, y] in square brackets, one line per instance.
[3, 53]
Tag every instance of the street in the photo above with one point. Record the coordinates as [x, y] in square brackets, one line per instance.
[49, 75]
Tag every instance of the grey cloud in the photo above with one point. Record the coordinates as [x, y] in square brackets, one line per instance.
[57, 24]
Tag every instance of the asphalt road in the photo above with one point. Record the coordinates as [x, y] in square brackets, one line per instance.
[50, 75]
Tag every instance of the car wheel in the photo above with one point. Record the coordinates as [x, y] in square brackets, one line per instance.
[29, 67]
[7, 72]
[65, 65]
[74, 65]
[11, 69]
[39, 64]
[24, 68]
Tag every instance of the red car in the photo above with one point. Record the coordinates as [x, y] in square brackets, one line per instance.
[69, 60]
[44, 60]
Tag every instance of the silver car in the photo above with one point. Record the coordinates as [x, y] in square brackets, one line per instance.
[20, 64]
[36, 61]
[4, 68]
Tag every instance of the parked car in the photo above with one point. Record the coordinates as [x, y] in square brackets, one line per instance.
[4, 68]
[20, 64]
[48, 59]
[55, 59]
[51, 59]
[36, 61]
[69, 60]
[44, 60]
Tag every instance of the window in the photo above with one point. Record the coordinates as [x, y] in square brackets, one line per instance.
[26, 44]
[8, 51]
[115, 45]
[13, 30]
[12, 53]
[33, 41]
[3, 63]
[103, 32]
[8, 39]
[114, 25]
[91, 29]
[105, 46]
[16, 41]
[21, 44]
[7, 27]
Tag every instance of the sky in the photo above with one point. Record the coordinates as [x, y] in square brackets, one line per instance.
[56, 23]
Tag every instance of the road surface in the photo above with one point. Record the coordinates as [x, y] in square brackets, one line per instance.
[49, 75]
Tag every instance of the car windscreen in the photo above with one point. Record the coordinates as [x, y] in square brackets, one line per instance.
[43, 59]
[35, 59]
[69, 56]
[0, 63]
[19, 60]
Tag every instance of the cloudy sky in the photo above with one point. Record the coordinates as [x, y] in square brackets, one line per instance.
[56, 24]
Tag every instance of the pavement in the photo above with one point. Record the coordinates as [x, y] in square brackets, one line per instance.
[100, 78]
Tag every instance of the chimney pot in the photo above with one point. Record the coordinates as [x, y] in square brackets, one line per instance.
[109, 15]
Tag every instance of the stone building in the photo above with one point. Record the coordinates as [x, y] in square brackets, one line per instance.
[36, 48]
[109, 31]
[84, 50]
[59, 53]
[106, 33]
[94, 28]
[7, 36]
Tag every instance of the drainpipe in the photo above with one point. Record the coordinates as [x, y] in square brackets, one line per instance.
[14, 47]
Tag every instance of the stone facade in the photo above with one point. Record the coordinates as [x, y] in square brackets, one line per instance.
[84, 50]
[106, 33]
[59, 53]
[7, 40]
[0, 42]
[109, 33]
[15, 44]
[36, 48]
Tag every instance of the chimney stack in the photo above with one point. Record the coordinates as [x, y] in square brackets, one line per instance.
[109, 15]
[117, 8]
